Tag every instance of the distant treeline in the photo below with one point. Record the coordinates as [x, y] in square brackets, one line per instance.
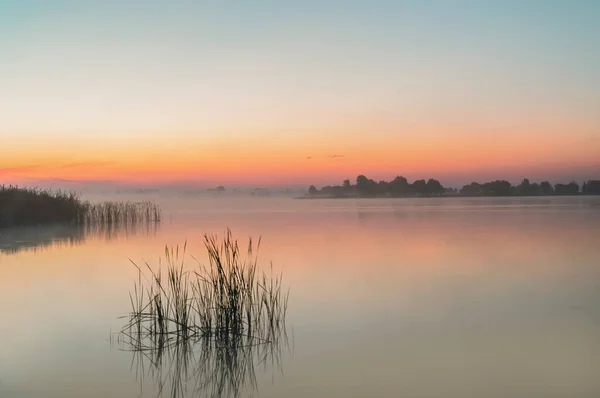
[400, 187]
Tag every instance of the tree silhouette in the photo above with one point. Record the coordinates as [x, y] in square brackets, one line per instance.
[571, 188]
[383, 188]
[524, 188]
[434, 187]
[400, 187]
[546, 188]
[365, 186]
[419, 187]
[473, 189]
[593, 187]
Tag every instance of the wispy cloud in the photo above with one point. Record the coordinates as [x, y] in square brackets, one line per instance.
[81, 165]
[592, 138]
[333, 157]
[31, 168]
[19, 169]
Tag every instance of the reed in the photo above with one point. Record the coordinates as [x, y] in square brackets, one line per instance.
[206, 326]
[110, 213]
[33, 206]
[227, 298]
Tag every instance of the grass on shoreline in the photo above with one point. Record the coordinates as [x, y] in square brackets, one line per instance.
[33, 206]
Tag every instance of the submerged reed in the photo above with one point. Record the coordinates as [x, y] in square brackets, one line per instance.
[109, 213]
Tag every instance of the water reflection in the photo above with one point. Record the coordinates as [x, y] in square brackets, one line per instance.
[34, 239]
[203, 366]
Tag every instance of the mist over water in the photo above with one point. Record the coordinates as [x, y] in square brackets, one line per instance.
[446, 297]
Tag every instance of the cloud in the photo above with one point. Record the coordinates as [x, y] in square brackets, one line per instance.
[333, 157]
[592, 138]
[86, 164]
[24, 170]
[19, 169]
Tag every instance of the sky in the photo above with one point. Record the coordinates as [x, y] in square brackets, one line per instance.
[298, 92]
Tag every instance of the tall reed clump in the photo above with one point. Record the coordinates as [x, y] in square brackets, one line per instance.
[228, 298]
[33, 206]
[204, 328]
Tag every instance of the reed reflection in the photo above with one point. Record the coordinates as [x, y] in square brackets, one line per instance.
[203, 366]
[34, 239]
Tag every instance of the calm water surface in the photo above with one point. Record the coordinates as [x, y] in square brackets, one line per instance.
[389, 298]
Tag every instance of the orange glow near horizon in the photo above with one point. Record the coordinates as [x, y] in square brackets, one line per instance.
[297, 161]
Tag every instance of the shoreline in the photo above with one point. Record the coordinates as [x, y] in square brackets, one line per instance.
[307, 197]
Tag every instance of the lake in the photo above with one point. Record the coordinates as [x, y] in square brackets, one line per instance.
[448, 297]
